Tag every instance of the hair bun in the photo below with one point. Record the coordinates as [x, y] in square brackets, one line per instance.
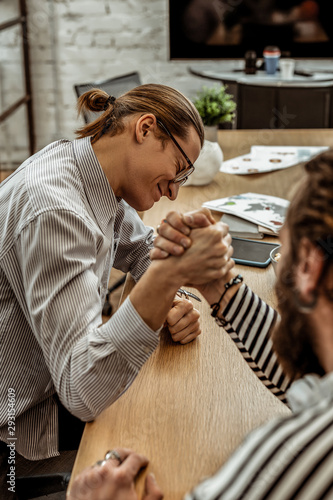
[110, 100]
[93, 100]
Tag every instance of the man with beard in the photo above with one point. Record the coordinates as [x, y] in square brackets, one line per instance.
[288, 458]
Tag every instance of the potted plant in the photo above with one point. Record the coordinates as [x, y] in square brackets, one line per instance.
[215, 106]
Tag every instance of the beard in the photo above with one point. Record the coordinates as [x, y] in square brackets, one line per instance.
[293, 335]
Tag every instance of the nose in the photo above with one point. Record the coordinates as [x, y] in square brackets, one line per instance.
[173, 189]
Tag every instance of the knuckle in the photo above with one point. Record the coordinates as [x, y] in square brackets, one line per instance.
[177, 337]
[196, 314]
[170, 321]
[171, 214]
[121, 477]
[158, 494]
[157, 240]
[172, 330]
[220, 226]
[224, 248]
[188, 306]
[196, 333]
[193, 315]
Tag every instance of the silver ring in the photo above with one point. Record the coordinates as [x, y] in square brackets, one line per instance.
[113, 454]
[99, 463]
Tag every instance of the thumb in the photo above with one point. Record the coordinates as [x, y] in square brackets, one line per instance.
[152, 490]
[157, 254]
[199, 218]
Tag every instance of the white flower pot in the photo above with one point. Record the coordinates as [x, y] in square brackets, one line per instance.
[207, 165]
[211, 133]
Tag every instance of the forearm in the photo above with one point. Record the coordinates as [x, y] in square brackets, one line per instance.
[153, 295]
[249, 322]
[213, 291]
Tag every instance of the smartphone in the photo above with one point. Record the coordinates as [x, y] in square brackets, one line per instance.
[252, 252]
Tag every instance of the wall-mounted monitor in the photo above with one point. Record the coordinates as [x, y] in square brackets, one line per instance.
[226, 29]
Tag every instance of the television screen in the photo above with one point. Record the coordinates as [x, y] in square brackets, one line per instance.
[223, 29]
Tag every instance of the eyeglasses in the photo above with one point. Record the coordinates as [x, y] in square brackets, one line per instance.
[183, 175]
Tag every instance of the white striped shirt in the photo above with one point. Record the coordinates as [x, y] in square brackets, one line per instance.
[288, 458]
[61, 231]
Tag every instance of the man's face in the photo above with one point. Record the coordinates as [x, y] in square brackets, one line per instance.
[293, 336]
[152, 168]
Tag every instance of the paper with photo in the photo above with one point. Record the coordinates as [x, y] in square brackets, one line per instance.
[266, 211]
[269, 158]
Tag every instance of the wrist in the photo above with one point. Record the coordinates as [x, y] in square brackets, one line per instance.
[229, 290]
[165, 273]
[213, 291]
[153, 295]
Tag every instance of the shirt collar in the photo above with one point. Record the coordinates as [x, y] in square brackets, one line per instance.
[99, 193]
[309, 391]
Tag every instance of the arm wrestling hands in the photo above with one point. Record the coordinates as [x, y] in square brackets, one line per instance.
[114, 480]
[201, 263]
[174, 237]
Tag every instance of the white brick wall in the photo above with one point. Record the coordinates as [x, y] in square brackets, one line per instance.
[94, 39]
[76, 41]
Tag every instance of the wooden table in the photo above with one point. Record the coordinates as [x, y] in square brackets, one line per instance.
[192, 405]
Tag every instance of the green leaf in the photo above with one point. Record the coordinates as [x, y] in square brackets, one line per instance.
[215, 105]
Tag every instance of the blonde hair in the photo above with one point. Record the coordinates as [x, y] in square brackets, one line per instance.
[170, 106]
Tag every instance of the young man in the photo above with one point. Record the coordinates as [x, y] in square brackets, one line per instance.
[67, 215]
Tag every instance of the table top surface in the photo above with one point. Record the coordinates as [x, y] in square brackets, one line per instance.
[261, 78]
[192, 405]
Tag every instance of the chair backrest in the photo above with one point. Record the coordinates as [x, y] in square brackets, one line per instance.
[113, 86]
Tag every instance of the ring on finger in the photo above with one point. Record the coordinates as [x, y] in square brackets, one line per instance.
[163, 221]
[113, 455]
[99, 463]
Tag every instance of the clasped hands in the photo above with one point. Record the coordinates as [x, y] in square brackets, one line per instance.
[177, 233]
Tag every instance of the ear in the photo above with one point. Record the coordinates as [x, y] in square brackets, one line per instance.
[145, 125]
[309, 268]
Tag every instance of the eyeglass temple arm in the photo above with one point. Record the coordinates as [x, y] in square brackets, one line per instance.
[175, 143]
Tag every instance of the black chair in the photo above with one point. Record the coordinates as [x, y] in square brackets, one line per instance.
[113, 86]
[28, 487]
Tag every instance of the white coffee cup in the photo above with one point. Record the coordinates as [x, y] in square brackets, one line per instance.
[287, 67]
